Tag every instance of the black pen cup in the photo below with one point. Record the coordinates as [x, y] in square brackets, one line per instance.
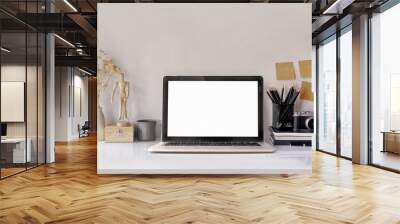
[282, 116]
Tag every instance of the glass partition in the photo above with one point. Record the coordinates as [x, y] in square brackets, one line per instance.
[41, 97]
[14, 155]
[22, 77]
[31, 98]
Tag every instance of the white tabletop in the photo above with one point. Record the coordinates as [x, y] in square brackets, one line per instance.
[13, 140]
[134, 158]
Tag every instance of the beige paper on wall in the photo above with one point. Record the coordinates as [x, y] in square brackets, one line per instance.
[306, 91]
[305, 68]
[285, 71]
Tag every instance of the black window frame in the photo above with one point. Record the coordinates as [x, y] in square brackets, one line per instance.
[333, 37]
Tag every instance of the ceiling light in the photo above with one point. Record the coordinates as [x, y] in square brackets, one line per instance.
[5, 50]
[70, 5]
[64, 40]
[84, 71]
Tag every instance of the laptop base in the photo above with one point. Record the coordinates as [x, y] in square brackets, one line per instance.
[164, 147]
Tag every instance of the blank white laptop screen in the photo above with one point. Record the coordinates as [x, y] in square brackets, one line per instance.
[212, 109]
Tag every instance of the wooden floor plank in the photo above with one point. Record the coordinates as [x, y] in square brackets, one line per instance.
[70, 191]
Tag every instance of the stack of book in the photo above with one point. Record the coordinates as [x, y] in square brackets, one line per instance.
[290, 138]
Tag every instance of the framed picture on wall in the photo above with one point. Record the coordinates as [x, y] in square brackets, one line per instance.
[13, 101]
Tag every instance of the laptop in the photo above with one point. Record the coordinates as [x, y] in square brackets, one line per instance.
[212, 114]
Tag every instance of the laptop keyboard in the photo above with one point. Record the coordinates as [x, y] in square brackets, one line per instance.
[212, 144]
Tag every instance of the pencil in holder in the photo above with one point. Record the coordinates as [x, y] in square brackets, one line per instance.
[282, 116]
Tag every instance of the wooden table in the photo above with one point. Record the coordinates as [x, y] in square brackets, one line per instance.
[391, 141]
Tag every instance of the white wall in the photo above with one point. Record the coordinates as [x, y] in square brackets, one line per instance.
[61, 103]
[17, 73]
[67, 81]
[80, 84]
[200, 39]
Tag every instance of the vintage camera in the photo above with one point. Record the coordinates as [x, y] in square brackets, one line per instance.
[303, 121]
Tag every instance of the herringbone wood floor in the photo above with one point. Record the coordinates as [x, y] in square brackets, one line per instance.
[70, 191]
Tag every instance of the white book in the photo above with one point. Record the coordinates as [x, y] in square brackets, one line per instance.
[293, 138]
[292, 134]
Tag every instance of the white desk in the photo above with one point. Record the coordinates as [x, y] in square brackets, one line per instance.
[19, 155]
[133, 158]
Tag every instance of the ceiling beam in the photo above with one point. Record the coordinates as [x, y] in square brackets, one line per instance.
[337, 7]
[320, 22]
[49, 22]
[77, 61]
[84, 24]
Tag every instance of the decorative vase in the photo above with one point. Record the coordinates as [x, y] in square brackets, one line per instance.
[146, 130]
[100, 124]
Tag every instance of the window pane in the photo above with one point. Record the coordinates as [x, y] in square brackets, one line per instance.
[385, 84]
[327, 97]
[346, 94]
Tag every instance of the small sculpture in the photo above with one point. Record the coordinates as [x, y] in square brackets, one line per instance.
[123, 97]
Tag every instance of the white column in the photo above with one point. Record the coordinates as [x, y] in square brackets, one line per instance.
[50, 100]
[360, 90]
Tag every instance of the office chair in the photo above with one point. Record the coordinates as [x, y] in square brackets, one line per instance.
[84, 130]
